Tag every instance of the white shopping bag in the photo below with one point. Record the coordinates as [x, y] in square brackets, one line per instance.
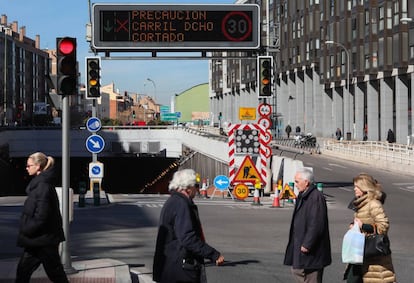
[353, 246]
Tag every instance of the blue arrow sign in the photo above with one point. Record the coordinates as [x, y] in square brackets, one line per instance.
[96, 170]
[93, 124]
[95, 144]
[221, 182]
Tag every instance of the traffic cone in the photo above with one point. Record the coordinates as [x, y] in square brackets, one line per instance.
[276, 202]
[204, 193]
[256, 197]
[203, 189]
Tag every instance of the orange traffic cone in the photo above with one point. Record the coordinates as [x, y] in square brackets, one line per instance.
[204, 193]
[256, 197]
[276, 202]
[203, 189]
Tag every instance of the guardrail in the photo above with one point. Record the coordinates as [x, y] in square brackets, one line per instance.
[374, 150]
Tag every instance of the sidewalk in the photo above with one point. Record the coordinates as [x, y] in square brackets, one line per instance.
[98, 270]
[95, 270]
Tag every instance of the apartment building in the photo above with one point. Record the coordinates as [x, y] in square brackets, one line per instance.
[338, 64]
[24, 70]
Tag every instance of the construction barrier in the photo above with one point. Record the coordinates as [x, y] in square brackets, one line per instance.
[256, 197]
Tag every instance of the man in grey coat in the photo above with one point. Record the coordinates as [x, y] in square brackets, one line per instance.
[309, 247]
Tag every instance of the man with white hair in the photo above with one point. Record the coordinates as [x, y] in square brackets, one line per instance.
[181, 248]
[309, 247]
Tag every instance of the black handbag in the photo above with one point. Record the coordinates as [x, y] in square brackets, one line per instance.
[376, 245]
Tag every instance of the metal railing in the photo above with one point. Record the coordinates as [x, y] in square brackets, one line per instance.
[373, 150]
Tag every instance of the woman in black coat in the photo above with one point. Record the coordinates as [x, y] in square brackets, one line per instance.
[181, 247]
[41, 228]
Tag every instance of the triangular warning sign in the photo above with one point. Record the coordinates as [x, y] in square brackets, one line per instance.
[247, 172]
[287, 193]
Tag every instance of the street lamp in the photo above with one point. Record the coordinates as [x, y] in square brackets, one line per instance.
[347, 83]
[155, 88]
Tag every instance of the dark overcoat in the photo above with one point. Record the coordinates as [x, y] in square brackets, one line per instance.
[309, 228]
[41, 221]
[180, 236]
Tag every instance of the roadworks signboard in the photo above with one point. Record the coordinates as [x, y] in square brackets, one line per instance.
[287, 193]
[247, 172]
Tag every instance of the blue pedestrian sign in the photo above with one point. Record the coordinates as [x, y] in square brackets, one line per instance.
[95, 144]
[95, 170]
[221, 182]
[93, 124]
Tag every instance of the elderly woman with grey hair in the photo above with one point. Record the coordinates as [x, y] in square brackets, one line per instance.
[181, 247]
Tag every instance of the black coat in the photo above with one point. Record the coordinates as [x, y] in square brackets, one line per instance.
[41, 221]
[309, 228]
[180, 236]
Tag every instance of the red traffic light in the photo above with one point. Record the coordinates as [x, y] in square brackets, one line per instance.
[66, 68]
[66, 46]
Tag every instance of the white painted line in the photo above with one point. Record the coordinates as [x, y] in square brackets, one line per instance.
[326, 168]
[411, 190]
[346, 189]
[336, 165]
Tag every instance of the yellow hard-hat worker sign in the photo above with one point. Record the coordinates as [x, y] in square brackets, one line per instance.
[248, 172]
[287, 193]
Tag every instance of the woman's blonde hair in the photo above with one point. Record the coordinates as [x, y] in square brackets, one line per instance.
[44, 162]
[368, 184]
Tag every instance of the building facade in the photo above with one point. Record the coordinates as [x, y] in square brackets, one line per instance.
[338, 64]
[24, 70]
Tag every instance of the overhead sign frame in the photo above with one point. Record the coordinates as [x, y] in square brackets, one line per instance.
[149, 27]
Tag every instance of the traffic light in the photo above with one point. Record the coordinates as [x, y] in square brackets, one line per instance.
[67, 73]
[93, 76]
[265, 76]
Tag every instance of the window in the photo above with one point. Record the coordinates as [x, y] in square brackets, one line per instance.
[396, 13]
[389, 18]
[381, 18]
[374, 26]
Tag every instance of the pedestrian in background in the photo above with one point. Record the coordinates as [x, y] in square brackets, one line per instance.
[390, 136]
[41, 228]
[181, 247]
[288, 130]
[338, 134]
[369, 215]
[309, 249]
[297, 130]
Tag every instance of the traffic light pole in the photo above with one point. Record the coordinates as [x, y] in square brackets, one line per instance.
[94, 155]
[66, 256]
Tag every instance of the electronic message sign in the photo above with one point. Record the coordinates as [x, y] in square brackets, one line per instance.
[127, 27]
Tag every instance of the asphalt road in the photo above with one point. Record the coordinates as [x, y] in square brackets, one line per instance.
[252, 238]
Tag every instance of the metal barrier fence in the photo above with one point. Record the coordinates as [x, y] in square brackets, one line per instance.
[374, 150]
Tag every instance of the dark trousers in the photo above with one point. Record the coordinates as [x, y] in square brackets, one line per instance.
[33, 257]
[353, 273]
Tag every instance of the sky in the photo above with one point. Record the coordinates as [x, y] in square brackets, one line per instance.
[58, 18]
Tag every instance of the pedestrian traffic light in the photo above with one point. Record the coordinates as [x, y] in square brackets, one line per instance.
[93, 76]
[265, 76]
[67, 73]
